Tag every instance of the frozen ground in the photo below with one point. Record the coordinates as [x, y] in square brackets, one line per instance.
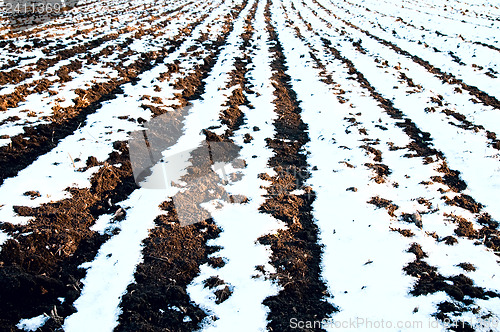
[363, 194]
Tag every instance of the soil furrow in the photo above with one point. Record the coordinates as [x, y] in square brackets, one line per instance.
[40, 263]
[143, 203]
[456, 286]
[296, 253]
[421, 146]
[158, 298]
[448, 78]
[488, 46]
[38, 140]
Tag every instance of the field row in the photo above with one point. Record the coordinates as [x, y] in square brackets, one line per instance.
[184, 165]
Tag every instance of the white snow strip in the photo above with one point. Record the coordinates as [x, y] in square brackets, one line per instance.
[32, 324]
[242, 225]
[117, 259]
[112, 270]
[363, 260]
[440, 60]
[465, 150]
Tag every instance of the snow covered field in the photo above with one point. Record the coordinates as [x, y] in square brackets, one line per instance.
[355, 185]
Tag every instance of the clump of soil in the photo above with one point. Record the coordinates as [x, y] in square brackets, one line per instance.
[449, 240]
[460, 288]
[381, 171]
[222, 295]
[384, 204]
[416, 249]
[465, 228]
[466, 202]
[216, 262]
[467, 267]
[451, 178]
[486, 220]
[213, 282]
[14, 76]
[248, 138]
[64, 71]
[403, 232]
[377, 154]
[32, 193]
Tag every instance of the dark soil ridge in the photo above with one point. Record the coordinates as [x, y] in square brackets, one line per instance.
[448, 78]
[450, 178]
[465, 124]
[296, 254]
[489, 231]
[430, 281]
[173, 253]
[109, 184]
[63, 54]
[488, 46]
[38, 140]
[40, 262]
